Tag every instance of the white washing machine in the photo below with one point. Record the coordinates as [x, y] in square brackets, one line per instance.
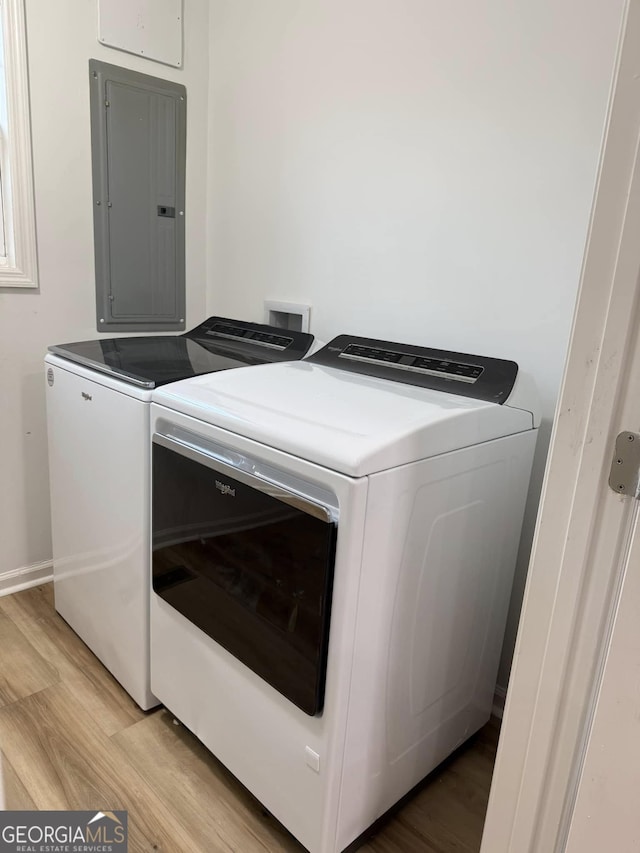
[98, 400]
[333, 549]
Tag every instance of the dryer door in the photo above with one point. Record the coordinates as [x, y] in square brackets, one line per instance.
[247, 561]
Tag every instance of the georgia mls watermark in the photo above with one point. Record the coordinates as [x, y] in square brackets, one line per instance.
[63, 832]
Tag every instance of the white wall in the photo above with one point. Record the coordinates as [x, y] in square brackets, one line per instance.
[419, 171]
[61, 39]
[415, 170]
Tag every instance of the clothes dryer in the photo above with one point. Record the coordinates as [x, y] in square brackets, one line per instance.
[333, 550]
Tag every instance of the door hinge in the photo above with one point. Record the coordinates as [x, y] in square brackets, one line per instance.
[107, 104]
[624, 476]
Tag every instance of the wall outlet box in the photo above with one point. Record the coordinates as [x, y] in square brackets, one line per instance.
[287, 315]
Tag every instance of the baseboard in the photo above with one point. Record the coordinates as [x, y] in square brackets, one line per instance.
[499, 698]
[27, 576]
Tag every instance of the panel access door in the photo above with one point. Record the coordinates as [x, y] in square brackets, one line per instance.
[138, 146]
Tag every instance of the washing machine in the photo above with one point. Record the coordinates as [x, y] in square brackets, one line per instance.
[98, 400]
[333, 546]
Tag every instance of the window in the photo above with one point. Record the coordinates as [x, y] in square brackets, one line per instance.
[18, 261]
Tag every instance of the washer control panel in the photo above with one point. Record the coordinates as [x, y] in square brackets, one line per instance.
[235, 333]
[484, 378]
[245, 337]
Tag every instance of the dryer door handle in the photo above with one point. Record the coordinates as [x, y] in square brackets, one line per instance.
[211, 460]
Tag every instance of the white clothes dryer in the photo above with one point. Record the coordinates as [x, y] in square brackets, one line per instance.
[333, 549]
[98, 400]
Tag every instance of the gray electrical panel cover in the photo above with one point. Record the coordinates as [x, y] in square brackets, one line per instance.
[138, 142]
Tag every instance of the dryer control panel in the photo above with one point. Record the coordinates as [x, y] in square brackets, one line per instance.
[480, 377]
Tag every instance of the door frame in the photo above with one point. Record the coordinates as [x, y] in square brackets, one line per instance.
[582, 524]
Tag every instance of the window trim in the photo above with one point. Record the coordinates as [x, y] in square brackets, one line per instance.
[20, 268]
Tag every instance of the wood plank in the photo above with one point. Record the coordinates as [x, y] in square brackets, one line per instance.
[22, 670]
[65, 761]
[443, 822]
[456, 795]
[449, 811]
[94, 687]
[194, 785]
[13, 794]
[398, 838]
[446, 814]
[179, 797]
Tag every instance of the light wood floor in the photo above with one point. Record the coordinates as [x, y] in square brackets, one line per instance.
[71, 738]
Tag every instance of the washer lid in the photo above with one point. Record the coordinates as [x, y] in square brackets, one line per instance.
[345, 421]
[217, 344]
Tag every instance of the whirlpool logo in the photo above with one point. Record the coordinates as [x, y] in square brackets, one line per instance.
[225, 488]
[63, 832]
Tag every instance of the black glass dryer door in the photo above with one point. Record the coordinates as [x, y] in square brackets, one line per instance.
[250, 564]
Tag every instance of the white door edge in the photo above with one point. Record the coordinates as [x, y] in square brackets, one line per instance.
[580, 763]
[582, 525]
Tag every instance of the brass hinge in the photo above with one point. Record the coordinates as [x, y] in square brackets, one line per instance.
[624, 476]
